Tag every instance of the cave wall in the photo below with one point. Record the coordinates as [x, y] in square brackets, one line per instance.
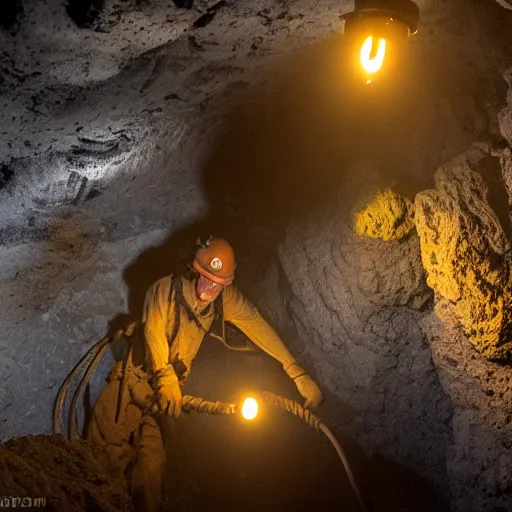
[479, 459]
[108, 131]
[357, 306]
[363, 311]
[470, 331]
[429, 389]
[423, 391]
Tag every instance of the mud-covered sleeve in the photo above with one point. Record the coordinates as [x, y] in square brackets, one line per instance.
[244, 315]
[156, 306]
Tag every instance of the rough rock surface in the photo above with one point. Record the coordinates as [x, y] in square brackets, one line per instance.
[356, 303]
[387, 216]
[465, 229]
[87, 103]
[479, 462]
[68, 476]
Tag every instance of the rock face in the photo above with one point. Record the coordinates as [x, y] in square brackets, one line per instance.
[92, 91]
[49, 473]
[479, 460]
[388, 216]
[465, 229]
[356, 303]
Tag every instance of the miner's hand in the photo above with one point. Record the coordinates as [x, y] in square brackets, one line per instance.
[309, 389]
[306, 386]
[168, 392]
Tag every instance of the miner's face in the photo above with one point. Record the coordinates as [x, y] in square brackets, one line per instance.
[206, 290]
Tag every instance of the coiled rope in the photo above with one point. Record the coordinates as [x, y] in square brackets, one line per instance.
[90, 361]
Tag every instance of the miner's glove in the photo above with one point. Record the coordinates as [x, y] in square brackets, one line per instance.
[306, 386]
[167, 389]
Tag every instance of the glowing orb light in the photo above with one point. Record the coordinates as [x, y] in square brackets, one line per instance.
[250, 409]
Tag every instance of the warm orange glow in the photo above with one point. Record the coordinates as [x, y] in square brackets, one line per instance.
[372, 63]
[250, 409]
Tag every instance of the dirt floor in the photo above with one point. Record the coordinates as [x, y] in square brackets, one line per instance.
[48, 473]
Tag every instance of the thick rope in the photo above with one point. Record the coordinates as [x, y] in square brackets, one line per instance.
[89, 361]
[73, 428]
[293, 407]
[193, 403]
[188, 403]
[346, 465]
[62, 394]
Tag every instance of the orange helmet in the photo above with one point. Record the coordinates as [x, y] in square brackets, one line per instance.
[215, 260]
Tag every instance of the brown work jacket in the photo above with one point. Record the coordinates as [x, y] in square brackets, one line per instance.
[159, 317]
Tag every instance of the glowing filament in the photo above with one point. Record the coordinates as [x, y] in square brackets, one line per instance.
[250, 409]
[371, 62]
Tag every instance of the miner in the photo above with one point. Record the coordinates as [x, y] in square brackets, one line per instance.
[178, 312]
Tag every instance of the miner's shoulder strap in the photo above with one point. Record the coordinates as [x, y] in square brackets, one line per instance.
[174, 286]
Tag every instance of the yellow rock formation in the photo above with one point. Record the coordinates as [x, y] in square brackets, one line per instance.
[466, 253]
[387, 216]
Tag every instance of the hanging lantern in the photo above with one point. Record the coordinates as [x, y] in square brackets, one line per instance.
[377, 30]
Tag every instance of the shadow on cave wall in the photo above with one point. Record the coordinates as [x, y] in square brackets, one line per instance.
[10, 11]
[84, 12]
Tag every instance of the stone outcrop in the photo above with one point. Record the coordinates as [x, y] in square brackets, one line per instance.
[358, 300]
[464, 228]
[479, 460]
[387, 216]
[357, 305]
